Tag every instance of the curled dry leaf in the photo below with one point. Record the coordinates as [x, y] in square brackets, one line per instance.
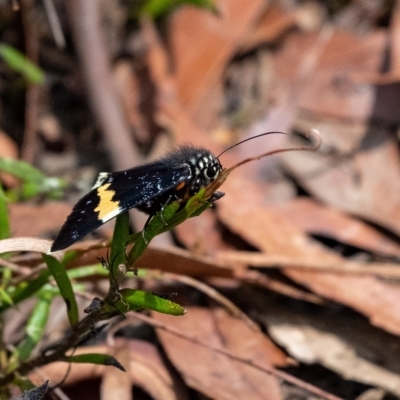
[26, 244]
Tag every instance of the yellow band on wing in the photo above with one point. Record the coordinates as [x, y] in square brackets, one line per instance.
[107, 208]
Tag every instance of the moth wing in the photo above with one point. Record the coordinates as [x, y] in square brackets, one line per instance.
[115, 193]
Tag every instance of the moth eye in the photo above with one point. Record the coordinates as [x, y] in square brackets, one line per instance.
[212, 171]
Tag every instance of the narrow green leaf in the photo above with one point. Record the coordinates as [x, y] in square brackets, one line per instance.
[20, 169]
[4, 221]
[194, 207]
[132, 300]
[64, 284]
[5, 297]
[94, 358]
[35, 326]
[159, 8]
[118, 247]
[86, 271]
[165, 220]
[35, 182]
[26, 289]
[154, 227]
[6, 276]
[18, 62]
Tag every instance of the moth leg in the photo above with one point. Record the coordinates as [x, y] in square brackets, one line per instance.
[144, 229]
[216, 196]
[170, 197]
[146, 242]
[147, 221]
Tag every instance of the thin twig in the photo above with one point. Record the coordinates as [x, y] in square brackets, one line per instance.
[58, 354]
[29, 144]
[209, 291]
[259, 279]
[54, 22]
[341, 266]
[84, 17]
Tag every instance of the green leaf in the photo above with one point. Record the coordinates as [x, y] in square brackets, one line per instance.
[18, 62]
[64, 284]
[21, 169]
[194, 207]
[165, 220]
[4, 221]
[35, 182]
[154, 227]
[137, 299]
[26, 289]
[159, 8]
[86, 271]
[5, 297]
[69, 256]
[35, 327]
[94, 358]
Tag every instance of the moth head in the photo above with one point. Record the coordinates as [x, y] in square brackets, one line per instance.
[205, 169]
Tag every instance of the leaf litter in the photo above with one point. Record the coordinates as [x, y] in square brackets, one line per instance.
[335, 210]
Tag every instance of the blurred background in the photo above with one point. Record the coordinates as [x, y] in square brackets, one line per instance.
[306, 244]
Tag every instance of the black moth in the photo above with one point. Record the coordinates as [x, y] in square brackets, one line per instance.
[177, 176]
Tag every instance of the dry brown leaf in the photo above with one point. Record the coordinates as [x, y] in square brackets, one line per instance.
[340, 339]
[180, 261]
[276, 20]
[117, 384]
[37, 219]
[216, 375]
[346, 343]
[170, 112]
[145, 369]
[315, 218]
[393, 75]
[8, 149]
[310, 345]
[273, 233]
[201, 235]
[347, 173]
[272, 23]
[128, 86]
[202, 43]
[331, 93]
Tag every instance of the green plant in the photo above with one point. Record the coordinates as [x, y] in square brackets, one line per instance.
[19, 63]
[45, 284]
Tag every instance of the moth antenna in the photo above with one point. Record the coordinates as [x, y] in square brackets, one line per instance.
[313, 134]
[251, 138]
